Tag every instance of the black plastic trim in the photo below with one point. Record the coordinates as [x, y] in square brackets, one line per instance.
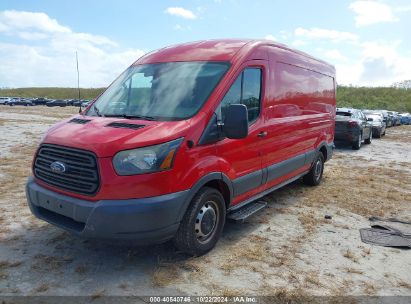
[285, 167]
[247, 182]
[150, 220]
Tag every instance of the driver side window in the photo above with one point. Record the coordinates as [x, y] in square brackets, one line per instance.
[246, 90]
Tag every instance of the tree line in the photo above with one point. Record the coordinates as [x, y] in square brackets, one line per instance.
[390, 98]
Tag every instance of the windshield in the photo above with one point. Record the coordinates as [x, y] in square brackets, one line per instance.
[160, 91]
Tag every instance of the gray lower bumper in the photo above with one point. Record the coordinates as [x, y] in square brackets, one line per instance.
[149, 220]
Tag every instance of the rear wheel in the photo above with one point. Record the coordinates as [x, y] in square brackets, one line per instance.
[313, 178]
[202, 224]
[357, 144]
[369, 139]
[379, 134]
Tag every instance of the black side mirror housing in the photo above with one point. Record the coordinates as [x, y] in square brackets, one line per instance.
[236, 121]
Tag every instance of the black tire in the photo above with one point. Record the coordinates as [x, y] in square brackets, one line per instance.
[357, 144]
[313, 178]
[369, 139]
[379, 134]
[207, 205]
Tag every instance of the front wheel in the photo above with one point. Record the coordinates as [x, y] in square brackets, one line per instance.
[313, 178]
[202, 224]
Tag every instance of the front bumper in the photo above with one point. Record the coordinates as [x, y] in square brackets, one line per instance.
[148, 220]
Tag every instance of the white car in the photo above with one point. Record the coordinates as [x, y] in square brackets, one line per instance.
[4, 100]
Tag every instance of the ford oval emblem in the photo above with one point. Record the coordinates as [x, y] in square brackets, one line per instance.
[58, 167]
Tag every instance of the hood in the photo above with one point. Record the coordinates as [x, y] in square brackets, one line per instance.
[97, 134]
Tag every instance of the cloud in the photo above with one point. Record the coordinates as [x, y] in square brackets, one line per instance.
[180, 12]
[43, 53]
[15, 20]
[372, 12]
[376, 70]
[319, 33]
[335, 55]
[270, 37]
[377, 64]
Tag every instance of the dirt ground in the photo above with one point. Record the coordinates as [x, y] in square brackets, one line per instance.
[287, 250]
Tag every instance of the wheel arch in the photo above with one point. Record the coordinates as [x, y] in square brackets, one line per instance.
[216, 180]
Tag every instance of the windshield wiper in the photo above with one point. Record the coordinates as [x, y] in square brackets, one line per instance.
[139, 117]
[127, 116]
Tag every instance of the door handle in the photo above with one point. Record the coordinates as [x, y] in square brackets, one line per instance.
[262, 134]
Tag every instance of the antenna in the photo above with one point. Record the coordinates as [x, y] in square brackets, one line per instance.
[78, 84]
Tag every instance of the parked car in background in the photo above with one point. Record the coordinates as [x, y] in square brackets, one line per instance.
[76, 103]
[396, 118]
[57, 103]
[39, 101]
[405, 118]
[351, 125]
[387, 118]
[4, 100]
[85, 103]
[377, 123]
[393, 118]
[20, 102]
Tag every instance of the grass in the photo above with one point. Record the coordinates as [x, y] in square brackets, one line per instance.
[350, 255]
[164, 276]
[310, 221]
[404, 284]
[98, 294]
[45, 263]
[49, 113]
[353, 270]
[54, 93]
[374, 98]
[313, 279]
[360, 97]
[8, 264]
[42, 288]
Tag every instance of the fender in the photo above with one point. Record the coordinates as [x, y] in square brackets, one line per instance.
[323, 144]
[213, 176]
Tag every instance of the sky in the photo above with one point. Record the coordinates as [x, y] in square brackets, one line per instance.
[369, 42]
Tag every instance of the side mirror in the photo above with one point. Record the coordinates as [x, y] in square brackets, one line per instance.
[370, 119]
[236, 121]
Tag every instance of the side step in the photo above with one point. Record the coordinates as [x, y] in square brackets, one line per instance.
[241, 214]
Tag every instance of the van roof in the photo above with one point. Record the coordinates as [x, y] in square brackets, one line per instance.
[213, 50]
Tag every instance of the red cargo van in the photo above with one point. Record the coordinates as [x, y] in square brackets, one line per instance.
[187, 136]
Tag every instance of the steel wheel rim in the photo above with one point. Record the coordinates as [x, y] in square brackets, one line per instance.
[206, 222]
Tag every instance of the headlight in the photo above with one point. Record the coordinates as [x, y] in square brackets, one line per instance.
[147, 159]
